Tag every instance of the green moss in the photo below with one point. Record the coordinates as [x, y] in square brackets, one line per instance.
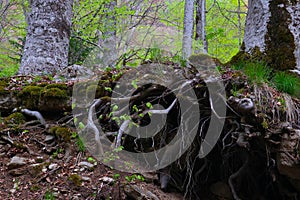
[63, 133]
[30, 96]
[15, 118]
[35, 188]
[280, 44]
[54, 93]
[61, 86]
[3, 85]
[76, 179]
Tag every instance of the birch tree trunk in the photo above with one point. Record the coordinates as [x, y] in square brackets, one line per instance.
[273, 32]
[188, 23]
[47, 39]
[201, 24]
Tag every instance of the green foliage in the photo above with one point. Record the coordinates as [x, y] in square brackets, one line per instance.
[286, 82]
[49, 195]
[79, 49]
[134, 177]
[80, 145]
[257, 72]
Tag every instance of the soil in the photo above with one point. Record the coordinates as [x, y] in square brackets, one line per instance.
[98, 182]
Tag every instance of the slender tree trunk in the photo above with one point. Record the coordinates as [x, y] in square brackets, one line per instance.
[108, 40]
[188, 28]
[272, 33]
[239, 22]
[201, 24]
[47, 39]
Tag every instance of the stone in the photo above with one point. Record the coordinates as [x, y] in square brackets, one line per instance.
[86, 164]
[49, 139]
[136, 192]
[107, 180]
[53, 166]
[17, 162]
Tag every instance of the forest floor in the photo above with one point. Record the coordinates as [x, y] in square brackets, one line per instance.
[36, 165]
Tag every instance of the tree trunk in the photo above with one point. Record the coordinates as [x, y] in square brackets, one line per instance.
[273, 32]
[188, 23]
[201, 23]
[47, 39]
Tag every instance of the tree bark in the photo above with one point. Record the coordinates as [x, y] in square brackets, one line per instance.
[47, 39]
[201, 24]
[273, 31]
[188, 23]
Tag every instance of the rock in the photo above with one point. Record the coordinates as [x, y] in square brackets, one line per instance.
[18, 172]
[74, 72]
[53, 166]
[49, 139]
[85, 178]
[17, 162]
[86, 165]
[107, 180]
[136, 192]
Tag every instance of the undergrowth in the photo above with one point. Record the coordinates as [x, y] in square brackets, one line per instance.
[288, 83]
[260, 73]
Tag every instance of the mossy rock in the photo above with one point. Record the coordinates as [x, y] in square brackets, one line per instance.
[15, 118]
[62, 133]
[54, 93]
[56, 85]
[31, 91]
[30, 96]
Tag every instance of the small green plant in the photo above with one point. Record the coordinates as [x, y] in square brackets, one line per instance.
[91, 160]
[55, 153]
[134, 177]
[49, 195]
[116, 176]
[286, 82]
[257, 72]
[80, 145]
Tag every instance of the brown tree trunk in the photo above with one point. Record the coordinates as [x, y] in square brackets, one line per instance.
[47, 39]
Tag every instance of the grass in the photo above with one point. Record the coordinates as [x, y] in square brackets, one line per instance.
[257, 72]
[286, 82]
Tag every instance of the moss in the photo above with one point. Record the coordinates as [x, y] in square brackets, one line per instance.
[61, 86]
[15, 118]
[35, 188]
[76, 179]
[280, 44]
[30, 96]
[3, 85]
[54, 93]
[62, 133]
